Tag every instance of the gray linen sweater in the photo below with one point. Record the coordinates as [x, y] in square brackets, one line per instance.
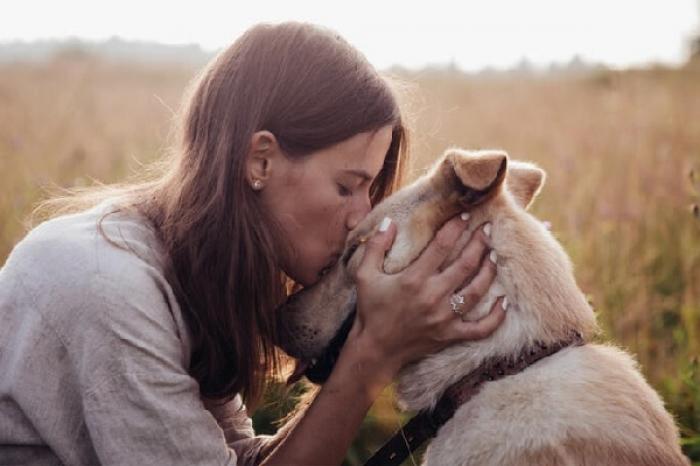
[94, 351]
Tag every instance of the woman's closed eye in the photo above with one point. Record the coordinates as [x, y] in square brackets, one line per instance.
[344, 190]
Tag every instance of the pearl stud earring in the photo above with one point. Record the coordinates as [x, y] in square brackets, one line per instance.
[257, 185]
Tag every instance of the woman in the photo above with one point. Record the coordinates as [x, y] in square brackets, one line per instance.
[135, 330]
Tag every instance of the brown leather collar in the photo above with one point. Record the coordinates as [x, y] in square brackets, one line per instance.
[425, 424]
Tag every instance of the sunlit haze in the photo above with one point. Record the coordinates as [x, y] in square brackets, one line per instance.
[472, 35]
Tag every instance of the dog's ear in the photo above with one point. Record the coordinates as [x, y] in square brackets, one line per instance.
[524, 181]
[480, 173]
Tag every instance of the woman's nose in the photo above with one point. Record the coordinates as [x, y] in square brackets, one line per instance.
[358, 213]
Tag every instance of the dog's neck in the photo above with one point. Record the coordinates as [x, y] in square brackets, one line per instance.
[545, 305]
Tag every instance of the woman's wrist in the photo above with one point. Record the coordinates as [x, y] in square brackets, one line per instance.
[363, 359]
[329, 424]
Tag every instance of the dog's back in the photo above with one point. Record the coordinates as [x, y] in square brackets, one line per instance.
[585, 405]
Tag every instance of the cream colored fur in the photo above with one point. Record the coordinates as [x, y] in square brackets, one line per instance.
[586, 405]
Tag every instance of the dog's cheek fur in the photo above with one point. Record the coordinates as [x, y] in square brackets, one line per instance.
[412, 236]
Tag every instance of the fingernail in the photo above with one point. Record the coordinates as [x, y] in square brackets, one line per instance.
[384, 226]
[493, 256]
[487, 230]
[504, 303]
[465, 216]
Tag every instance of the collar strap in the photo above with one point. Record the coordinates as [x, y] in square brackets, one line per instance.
[425, 424]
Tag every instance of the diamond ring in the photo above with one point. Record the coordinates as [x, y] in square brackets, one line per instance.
[456, 301]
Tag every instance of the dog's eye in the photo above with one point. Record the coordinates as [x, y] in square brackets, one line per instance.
[348, 254]
[350, 251]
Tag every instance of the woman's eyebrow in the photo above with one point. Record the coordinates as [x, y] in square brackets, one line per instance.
[359, 173]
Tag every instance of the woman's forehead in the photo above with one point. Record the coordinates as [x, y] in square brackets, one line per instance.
[361, 155]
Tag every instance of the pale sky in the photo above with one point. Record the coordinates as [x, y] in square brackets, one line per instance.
[474, 34]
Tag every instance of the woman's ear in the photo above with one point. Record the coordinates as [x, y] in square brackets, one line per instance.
[262, 156]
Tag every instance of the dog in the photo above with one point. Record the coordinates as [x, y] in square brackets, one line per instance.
[586, 404]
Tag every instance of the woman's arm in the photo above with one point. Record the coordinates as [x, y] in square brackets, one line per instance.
[393, 328]
[330, 423]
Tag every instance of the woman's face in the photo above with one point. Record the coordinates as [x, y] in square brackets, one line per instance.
[319, 198]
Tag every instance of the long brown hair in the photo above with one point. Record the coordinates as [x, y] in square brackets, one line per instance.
[311, 89]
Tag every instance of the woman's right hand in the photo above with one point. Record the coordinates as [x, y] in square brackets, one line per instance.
[405, 316]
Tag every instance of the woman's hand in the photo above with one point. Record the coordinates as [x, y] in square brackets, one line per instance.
[405, 316]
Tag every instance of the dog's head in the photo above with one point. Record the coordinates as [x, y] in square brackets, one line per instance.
[315, 321]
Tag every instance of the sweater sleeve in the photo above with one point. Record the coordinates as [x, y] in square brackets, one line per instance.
[140, 405]
[238, 431]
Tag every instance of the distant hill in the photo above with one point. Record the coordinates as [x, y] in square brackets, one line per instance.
[114, 49]
[120, 50]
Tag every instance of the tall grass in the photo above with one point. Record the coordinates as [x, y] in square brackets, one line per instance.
[619, 148]
[622, 151]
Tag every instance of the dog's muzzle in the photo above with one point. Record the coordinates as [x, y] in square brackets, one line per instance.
[319, 372]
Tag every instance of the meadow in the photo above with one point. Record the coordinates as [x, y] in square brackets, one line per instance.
[621, 148]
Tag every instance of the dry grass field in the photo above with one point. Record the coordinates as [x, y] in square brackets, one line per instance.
[622, 150]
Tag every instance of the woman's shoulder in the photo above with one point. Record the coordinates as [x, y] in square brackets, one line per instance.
[101, 267]
[100, 241]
